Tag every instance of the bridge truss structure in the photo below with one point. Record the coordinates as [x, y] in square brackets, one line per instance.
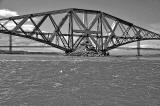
[66, 29]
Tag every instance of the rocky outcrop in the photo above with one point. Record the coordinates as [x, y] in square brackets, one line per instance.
[86, 49]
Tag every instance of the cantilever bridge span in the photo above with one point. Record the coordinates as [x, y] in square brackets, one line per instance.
[66, 29]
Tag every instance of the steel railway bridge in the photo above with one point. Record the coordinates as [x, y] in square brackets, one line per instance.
[66, 29]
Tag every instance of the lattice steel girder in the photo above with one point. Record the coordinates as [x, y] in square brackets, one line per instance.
[20, 24]
[101, 30]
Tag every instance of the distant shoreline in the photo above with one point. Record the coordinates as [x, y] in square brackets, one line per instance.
[52, 57]
[27, 52]
[62, 54]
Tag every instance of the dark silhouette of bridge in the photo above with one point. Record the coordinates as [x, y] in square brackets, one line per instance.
[70, 27]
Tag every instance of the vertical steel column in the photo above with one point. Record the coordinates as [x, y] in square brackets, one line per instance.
[101, 28]
[10, 43]
[98, 36]
[70, 39]
[85, 22]
[138, 48]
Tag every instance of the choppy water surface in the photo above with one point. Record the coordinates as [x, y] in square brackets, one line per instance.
[67, 81]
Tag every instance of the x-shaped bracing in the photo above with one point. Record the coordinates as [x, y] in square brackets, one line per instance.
[71, 27]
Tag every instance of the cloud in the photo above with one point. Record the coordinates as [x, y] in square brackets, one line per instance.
[7, 13]
[4, 13]
[11, 25]
[25, 27]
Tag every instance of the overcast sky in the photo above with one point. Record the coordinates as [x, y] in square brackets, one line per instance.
[144, 13]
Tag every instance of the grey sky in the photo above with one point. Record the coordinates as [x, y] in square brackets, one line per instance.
[144, 13]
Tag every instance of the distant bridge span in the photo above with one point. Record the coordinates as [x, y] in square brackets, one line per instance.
[66, 29]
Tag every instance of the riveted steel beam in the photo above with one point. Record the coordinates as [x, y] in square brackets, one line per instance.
[18, 26]
[100, 32]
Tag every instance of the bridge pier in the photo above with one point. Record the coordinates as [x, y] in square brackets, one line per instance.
[68, 51]
[138, 48]
[10, 43]
[105, 52]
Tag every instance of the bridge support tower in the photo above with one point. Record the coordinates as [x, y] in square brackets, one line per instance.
[138, 48]
[66, 29]
[10, 43]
